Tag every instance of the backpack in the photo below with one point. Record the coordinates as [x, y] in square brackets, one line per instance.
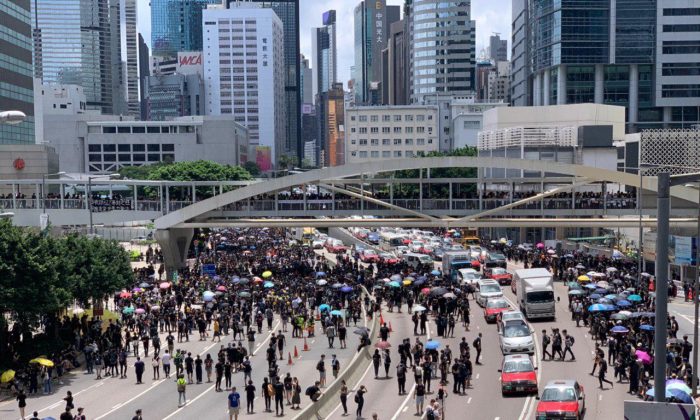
[570, 340]
[357, 398]
[270, 389]
[475, 343]
[430, 414]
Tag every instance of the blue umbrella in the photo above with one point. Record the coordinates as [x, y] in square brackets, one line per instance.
[324, 307]
[600, 307]
[394, 284]
[623, 303]
[268, 285]
[236, 280]
[337, 312]
[320, 274]
[634, 298]
[611, 296]
[605, 301]
[672, 393]
[432, 345]
[346, 289]
[395, 277]
[419, 282]
[595, 296]
[646, 327]
[208, 296]
[422, 278]
[590, 286]
[601, 291]
[435, 272]
[575, 293]
[619, 329]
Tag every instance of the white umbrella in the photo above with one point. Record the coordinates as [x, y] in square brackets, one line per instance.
[419, 308]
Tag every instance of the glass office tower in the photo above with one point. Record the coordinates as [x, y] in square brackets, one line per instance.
[16, 84]
[176, 25]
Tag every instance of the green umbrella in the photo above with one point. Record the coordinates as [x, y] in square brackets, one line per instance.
[128, 310]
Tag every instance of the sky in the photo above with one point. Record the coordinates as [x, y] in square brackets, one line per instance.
[490, 16]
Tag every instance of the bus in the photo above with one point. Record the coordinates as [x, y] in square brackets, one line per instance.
[388, 241]
[469, 237]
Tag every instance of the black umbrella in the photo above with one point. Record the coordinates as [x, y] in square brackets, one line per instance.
[364, 331]
[438, 291]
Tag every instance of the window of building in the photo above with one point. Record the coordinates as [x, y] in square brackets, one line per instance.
[430, 117]
[397, 118]
[408, 117]
[109, 148]
[374, 118]
[110, 157]
[168, 147]
[397, 153]
[420, 142]
[409, 153]
[95, 148]
[374, 142]
[363, 154]
[386, 142]
[138, 129]
[409, 142]
[124, 157]
[353, 141]
[408, 129]
[109, 130]
[386, 154]
[153, 157]
[352, 118]
[397, 130]
[363, 130]
[374, 130]
[95, 158]
[363, 118]
[153, 130]
[386, 129]
[374, 154]
[397, 142]
[363, 142]
[139, 147]
[168, 157]
[124, 147]
[352, 130]
[154, 147]
[386, 118]
[420, 129]
[139, 157]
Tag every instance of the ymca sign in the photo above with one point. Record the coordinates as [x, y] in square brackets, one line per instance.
[189, 62]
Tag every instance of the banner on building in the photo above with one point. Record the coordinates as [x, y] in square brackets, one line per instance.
[189, 62]
[263, 157]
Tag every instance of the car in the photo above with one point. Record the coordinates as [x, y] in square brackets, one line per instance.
[495, 259]
[512, 315]
[561, 399]
[400, 250]
[317, 243]
[493, 307]
[335, 246]
[475, 252]
[437, 254]
[426, 249]
[388, 258]
[499, 274]
[518, 375]
[369, 256]
[416, 246]
[415, 260]
[475, 263]
[373, 238]
[515, 336]
[469, 275]
[487, 289]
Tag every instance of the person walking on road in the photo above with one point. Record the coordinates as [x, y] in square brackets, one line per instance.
[419, 395]
[401, 377]
[387, 362]
[250, 397]
[234, 404]
[321, 368]
[568, 343]
[602, 370]
[138, 415]
[376, 361]
[279, 396]
[139, 368]
[335, 366]
[545, 345]
[344, 391]
[166, 363]
[477, 347]
[267, 393]
[155, 363]
[360, 400]
[296, 393]
[181, 390]
[21, 402]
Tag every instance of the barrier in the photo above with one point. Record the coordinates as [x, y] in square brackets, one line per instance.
[351, 374]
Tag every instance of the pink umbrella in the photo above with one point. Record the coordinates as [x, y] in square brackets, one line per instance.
[164, 285]
[257, 280]
[540, 245]
[221, 288]
[643, 356]
[137, 290]
[124, 294]
[425, 290]
[140, 311]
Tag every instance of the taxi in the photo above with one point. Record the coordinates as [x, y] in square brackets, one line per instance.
[561, 399]
[518, 375]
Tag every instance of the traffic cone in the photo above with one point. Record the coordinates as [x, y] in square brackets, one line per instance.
[381, 319]
[390, 329]
[306, 346]
[289, 360]
[296, 352]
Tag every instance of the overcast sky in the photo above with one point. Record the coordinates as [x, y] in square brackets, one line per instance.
[490, 15]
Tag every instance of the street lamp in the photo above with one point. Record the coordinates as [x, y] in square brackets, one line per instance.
[43, 188]
[12, 117]
[665, 182]
[89, 195]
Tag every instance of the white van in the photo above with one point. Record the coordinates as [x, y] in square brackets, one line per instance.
[487, 289]
[414, 259]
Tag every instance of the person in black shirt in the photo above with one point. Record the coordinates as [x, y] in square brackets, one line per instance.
[250, 397]
[138, 415]
[219, 367]
[279, 396]
[21, 401]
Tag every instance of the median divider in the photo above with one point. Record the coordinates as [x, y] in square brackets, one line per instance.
[352, 374]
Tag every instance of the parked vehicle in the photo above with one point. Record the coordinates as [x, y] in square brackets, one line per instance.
[414, 260]
[493, 307]
[499, 274]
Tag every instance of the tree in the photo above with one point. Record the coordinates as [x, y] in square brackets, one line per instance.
[252, 168]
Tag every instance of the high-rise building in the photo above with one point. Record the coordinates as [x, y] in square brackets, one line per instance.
[144, 70]
[372, 22]
[307, 88]
[442, 57]
[309, 133]
[640, 54]
[325, 55]
[244, 65]
[483, 69]
[395, 73]
[170, 96]
[498, 83]
[133, 57]
[498, 48]
[288, 12]
[79, 42]
[17, 92]
[176, 25]
[330, 114]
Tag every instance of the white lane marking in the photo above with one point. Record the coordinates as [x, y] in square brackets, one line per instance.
[410, 393]
[189, 402]
[405, 409]
[268, 337]
[600, 397]
[477, 375]
[52, 406]
[139, 395]
[117, 405]
[469, 401]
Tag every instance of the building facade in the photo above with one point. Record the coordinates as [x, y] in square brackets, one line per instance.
[133, 59]
[498, 48]
[390, 132]
[307, 88]
[520, 54]
[325, 55]
[17, 92]
[244, 65]
[443, 44]
[395, 81]
[79, 42]
[498, 83]
[330, 120]
[640, 54]
[176, 25]
[170, 96]
[467, 120]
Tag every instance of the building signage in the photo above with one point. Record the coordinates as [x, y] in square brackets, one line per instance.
[682, 247]
[189, 62]
[19, 164]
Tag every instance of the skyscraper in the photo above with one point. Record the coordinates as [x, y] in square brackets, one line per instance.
[133, 59]
[372, 22]
[17, 92]
[325, 56]
[288, 12]
[176, 25]
[641, 54]
[330, 113]
[498, 48]
[244, 75]
[307, 88]
[395, 73]
[442, 56]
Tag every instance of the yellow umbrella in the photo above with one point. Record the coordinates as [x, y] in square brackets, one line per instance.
[42, 361]
[7, 376]
[584, 278]
[407, 282]
[267, 274]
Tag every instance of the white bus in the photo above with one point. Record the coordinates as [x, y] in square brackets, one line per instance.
[389, 241]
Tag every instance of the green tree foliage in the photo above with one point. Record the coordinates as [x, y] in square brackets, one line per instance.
[252, 168]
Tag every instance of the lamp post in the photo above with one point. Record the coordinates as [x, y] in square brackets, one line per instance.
[89, 196]
[43, 188]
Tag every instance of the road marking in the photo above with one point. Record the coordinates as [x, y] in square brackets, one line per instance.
[600, 397]
[269, 334]
[52, 406]
[410, 393]
[155, 384]
[405, 409]
[469, 401]
[477, 375]
[188, 402]
[117, 405]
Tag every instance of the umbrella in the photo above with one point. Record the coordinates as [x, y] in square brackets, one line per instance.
[419, 282]
[324, 307]
[7, 376]
[625, 313]
[611, 269]
[425, 290]
[419, 308]
[257, 280]
[623, 303]
[377, 286]
[321, 274]
[337, 285]
[584, 278]
[432, 345]
[438, 291]
[140, 311]
[604, 284]
[155, 307]
[362, 331]
[601, 292]
[145, 285]
[346, 289]
[386, 280]
[618, 317]
[208, 295]
[575, 293]
[407, 282]
[551, 252]
[196, 307]
[643, 356]
[124, 294]
[580, 267]
[619, 329]
[611, 297]
[634, 298]
[42, 361]
[449, 295]
[269, 285]
[617, 281]
[382, 345]
[574, 285]
[48, 418]
[221, 288]
[164, 285]
[337, 312]
[590, 286]
[646, 327]
[394, 284]
[137, 290]
[435, 272]
[128, 310]
[321, 282]
[395, 277]
[678, 385]
[244, 294]
[672, 393]
[604, 301]
[244, 281]
[595, 296]
[599, 307]
[540, 245]
[267, 274]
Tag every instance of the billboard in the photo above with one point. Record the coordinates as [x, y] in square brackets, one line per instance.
[263, 157]
[189, 62]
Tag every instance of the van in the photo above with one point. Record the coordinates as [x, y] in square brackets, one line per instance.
[414, 260]
[487, 289]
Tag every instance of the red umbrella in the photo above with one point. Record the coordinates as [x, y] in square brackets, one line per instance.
[221, 288]
[257, 280]
[382, 345]
[124, 294]
[425, 290]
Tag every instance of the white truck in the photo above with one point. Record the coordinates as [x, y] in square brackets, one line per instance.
[535, 292]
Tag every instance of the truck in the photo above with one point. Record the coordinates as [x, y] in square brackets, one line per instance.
[453, 261]
[535, 292]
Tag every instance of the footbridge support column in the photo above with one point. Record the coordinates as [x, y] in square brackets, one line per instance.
[174, 243]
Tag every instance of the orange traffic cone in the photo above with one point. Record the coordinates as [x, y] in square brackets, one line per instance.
[289, 360]
[296, 352]
[390, 329]
[306, 346]
[381, 319]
